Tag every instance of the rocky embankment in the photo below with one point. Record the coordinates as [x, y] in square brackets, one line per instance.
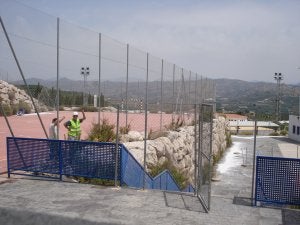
[10, 95]
[176, 147]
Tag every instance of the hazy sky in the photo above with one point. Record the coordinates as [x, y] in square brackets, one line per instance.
[247, 40]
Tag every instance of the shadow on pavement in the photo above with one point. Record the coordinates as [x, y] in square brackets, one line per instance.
[10, 216]
[183, 201]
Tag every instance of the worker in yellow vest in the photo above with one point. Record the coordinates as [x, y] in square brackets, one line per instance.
[73, 126]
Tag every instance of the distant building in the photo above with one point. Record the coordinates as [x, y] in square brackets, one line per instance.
[239, 124]
[235, 117]
[294, 127]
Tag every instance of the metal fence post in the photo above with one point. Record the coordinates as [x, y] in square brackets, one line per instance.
[254, 160]
[22, 75]
[57, 75]
[146, 123]
[126, 90]
[13, 135]
[173, 93]
[161, 92]
[60, 160]
[99, 77]
[7, 159]
[210, 153]
[117, 146]
[195, 150]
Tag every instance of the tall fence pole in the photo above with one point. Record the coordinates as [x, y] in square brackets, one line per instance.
[12, 134]
[146, 123]
[126, 91]
[99, 77]
[195, 150]
[117, 146]
[21, 72]
[211, 107]
[161, 92]
[190, 77]
[196, 88]
[201, 88]
[57, 75]
[200, 148]
[254, 160]
[173, 93]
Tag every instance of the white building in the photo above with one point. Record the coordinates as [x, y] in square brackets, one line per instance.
[294, 127]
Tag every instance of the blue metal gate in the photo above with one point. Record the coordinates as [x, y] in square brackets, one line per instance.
[277, 180]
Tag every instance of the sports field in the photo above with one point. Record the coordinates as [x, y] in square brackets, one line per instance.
[28, 125]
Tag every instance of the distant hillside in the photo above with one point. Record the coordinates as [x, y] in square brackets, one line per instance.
[232, 95]
[243, 96]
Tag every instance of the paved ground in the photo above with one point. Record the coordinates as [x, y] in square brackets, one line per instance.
[34, 202]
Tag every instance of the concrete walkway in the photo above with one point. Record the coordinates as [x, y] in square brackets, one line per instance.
[30, 201]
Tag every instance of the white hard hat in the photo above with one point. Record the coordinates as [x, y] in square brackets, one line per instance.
[75, 113]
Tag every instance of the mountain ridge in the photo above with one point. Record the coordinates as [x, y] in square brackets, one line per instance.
[231, 94]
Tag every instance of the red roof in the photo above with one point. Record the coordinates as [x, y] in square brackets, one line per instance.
[232, 116]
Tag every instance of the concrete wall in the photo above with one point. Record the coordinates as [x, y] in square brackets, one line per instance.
[294, 127]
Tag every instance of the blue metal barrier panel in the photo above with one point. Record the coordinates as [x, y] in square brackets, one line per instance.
[83, 159]
[34, 155]
[132, 172]
[277, 180]
[164, 181]
[89, 159]
[73, 158]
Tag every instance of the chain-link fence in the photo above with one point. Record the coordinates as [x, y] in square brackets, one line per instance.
[89, 68]
[64, 68]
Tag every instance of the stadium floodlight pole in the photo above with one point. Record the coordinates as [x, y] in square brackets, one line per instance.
[22, 75]
[85, 72]
[278, 77]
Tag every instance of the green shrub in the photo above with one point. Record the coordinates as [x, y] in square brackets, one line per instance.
[89, 109]
[175, 123]
[274, 134]
[7, 110]
[21, 105]
[248, 133]
[218, 156]
[96, 181]
[179, 177]
[283, 132]
[228, 139]
[103, 132]
[125, 129]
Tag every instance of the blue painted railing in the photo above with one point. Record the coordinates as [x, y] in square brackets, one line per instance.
[85, 159]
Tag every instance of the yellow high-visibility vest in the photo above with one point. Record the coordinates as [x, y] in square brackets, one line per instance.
[74, 130]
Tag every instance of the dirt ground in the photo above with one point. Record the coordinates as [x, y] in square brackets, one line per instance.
[28, 125]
